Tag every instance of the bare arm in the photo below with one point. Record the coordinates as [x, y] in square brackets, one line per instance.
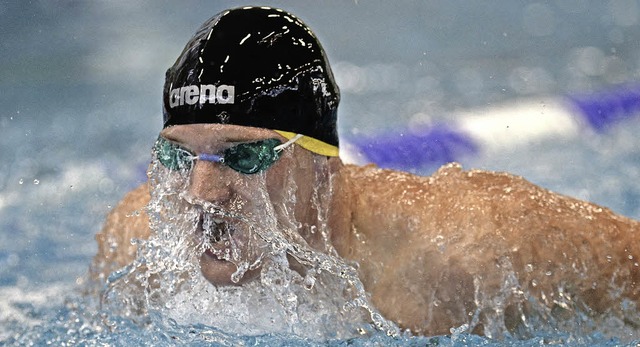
[128, 220]
[435, 251]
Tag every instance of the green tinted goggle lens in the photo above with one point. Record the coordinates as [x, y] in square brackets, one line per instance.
[252, 157]
[172, 156]
[246, 158]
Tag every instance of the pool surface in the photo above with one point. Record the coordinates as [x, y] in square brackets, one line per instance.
[81, 88]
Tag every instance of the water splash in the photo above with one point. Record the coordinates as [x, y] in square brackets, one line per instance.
[303, 290]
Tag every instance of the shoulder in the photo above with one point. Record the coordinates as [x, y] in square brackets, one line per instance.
[449, 180]
[127, 221]
[451, 189]
[130, 213]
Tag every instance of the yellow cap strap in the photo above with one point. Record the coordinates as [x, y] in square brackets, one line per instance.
[311, 144]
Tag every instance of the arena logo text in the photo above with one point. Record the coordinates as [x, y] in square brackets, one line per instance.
[205, 93]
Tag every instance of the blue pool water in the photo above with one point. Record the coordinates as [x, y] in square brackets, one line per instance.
[80, 89]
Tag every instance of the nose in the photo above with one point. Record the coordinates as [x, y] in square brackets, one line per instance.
[208, 182]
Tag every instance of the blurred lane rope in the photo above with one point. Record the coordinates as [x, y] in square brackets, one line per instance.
[492, 129]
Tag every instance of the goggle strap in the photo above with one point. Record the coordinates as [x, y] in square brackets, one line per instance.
[313, 145]
[288, 143]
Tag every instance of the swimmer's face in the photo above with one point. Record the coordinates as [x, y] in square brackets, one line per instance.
[237, 192]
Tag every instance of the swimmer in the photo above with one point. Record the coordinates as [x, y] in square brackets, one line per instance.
[252, 97]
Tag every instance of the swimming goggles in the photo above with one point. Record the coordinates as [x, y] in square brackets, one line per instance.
[246, 158]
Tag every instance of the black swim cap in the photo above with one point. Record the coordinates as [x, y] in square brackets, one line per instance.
[254, 66]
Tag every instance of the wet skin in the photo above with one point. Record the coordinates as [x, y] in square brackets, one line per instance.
[223, 186]
[218, 184]
[432, 251]
[228, 189]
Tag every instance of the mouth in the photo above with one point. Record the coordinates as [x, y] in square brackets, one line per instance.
[222, 243]
[214, 230]
[215, 233]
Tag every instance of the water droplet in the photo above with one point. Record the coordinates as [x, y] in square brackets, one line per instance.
[36, 181]
[309, 282]
[21, 181]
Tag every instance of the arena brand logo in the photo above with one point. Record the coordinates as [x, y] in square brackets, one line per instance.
[205, 93]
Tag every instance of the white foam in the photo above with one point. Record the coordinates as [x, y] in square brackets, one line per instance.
[327, 302]
[13, 300]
